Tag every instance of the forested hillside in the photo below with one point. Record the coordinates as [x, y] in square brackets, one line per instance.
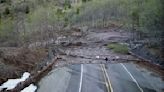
[26, 21]
[33, 31]
[144, 18]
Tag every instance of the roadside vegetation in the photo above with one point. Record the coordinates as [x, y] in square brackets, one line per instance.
[144, 18]
[26, 22]
[118, 48]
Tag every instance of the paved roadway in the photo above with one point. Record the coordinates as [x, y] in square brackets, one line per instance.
[101, 78]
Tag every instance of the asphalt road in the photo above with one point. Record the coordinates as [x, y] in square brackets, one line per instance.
[101, 78]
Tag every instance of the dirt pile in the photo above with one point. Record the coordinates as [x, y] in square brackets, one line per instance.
[15, 61]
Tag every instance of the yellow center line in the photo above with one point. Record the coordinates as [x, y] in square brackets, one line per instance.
[107, 80]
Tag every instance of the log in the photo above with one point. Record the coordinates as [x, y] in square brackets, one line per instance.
[33, 79]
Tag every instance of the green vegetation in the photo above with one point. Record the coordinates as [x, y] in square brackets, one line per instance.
[135, 14]
[29, 20]
[143, 17]
[30, 23]
[23, 22]
[85, 0]
[118, 48]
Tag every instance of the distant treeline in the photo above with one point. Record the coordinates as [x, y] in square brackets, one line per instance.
[143, 16]
[15, 17]
[26, 21]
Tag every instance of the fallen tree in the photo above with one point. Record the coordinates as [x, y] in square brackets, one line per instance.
[34, 78]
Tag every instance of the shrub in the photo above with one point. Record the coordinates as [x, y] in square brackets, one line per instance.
[118, 48]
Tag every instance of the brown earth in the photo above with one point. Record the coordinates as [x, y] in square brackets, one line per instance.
[152, 67]
[74, 47]
[15, 61]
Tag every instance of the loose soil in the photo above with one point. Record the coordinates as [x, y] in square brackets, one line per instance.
[73, 47]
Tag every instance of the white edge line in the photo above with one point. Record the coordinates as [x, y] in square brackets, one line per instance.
[132, 78]
[81, 78]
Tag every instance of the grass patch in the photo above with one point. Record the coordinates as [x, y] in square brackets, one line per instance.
[118, 48]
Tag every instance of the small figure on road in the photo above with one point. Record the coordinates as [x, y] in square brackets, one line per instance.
[106, 59]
